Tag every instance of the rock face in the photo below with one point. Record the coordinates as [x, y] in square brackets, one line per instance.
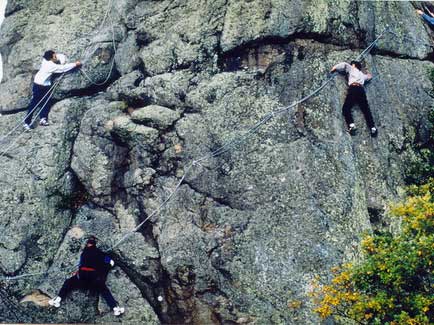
[248, 229]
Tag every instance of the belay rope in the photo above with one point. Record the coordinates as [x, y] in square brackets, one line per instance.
[219, 151]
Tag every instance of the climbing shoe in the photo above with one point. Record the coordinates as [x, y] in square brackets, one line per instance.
[352, 129]
[117, 311]
[44, 122]
[55, 302]
[27, 127]
[374, 132]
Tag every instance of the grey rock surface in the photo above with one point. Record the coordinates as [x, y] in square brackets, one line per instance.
[247, 229]
[154, 115]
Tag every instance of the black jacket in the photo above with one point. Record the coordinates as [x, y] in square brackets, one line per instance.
[93, 257]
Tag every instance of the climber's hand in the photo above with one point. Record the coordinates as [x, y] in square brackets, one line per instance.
[78, 64]
[420, 12]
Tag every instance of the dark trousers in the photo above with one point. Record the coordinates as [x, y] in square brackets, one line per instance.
[88, 280]
[428, 19]
[38, 93]
[356, 96]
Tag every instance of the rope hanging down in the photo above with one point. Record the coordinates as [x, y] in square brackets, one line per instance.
[224, 148]
[113, 40]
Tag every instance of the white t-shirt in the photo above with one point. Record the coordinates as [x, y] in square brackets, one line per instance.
[354, 74]
[43, 77]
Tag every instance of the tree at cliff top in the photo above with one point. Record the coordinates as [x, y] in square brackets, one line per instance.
[394, 284]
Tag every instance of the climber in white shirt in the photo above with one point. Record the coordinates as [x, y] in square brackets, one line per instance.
[356, 95]
[42, 85]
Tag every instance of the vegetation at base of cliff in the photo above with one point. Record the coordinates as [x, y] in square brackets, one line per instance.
[394, 282]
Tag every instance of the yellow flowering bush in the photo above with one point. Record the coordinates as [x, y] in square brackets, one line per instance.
[394, 283]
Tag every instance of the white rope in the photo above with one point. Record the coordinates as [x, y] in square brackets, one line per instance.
[28, 114]
[85, 74]
[52, 89]
[229, 145]
[156, 211]
[95, 31]
[109, 75]
[218, 152]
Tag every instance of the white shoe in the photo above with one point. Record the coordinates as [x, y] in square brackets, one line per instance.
[55, 302]
[27, 127]
[117, 311]
[352, 129]
[44, 122]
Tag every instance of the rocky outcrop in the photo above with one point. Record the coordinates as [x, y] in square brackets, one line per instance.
[247, 230]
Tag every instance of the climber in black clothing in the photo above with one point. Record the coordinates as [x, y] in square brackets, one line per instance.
[356, 95]
[92, 273]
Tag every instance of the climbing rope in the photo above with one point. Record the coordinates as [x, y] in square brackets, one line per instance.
[109, 74]
[15, 140]
[31, 112]
[156, 211]
[50, 92]
[219, 151]
[236, 141]
[411, 39]
[95, 32]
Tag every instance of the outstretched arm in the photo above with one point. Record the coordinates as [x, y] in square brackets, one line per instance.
[343, 66]
[60, 68]
[368, 76]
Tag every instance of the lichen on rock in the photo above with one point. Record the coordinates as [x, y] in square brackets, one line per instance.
[247, 230]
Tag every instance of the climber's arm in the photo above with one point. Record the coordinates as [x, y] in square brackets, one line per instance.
[341, 67]
[61, 68]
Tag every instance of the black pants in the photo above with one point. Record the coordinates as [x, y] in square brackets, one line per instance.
[88, 280]
[38, 93]
[356, 96]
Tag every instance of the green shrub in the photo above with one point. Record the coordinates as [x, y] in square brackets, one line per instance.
[394, 283]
